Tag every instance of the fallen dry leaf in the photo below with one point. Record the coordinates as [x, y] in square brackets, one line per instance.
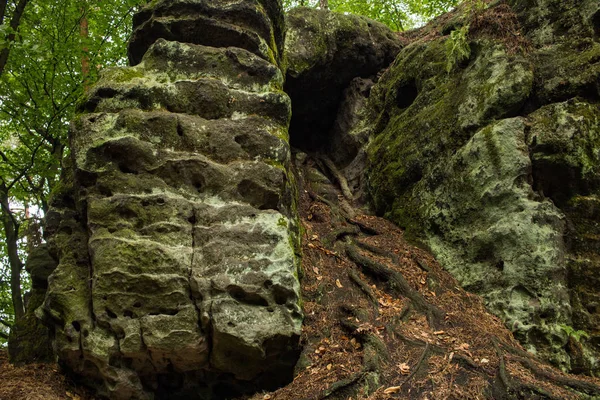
[392, 390]
[338, 283]
[404, 368]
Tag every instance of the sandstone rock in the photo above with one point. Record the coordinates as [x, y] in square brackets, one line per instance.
[177, 234]
[325, 51]
[29, 339]
[256, 26]
[506, 204]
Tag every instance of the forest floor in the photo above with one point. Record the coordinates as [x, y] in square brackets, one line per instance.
[36, 382]
[383, 320]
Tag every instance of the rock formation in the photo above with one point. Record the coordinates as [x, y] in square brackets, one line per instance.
[176, 228]
[30, 339]
[177, 232]
[496, 165]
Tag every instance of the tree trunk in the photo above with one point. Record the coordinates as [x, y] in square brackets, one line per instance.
[85, 58]
[14, 25]
[324, 4]
[11, 231]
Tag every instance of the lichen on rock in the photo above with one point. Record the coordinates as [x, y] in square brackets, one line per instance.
[176, 237]
[503, 202]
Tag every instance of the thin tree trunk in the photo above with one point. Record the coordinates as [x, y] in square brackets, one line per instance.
[85, 58]
[324, 4]
[14, 26]
[11, 231]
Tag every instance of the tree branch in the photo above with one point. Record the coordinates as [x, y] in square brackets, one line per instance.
[5, 323]
[3, 5]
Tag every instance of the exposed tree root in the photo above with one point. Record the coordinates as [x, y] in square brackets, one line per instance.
[367, 230]
[576, 384]
[338, 177]
[502, 367]
[340, 233]
[418, 365]
[340, 385]
[396, 281]
[421, 264]
[377, 251]
[363, 286]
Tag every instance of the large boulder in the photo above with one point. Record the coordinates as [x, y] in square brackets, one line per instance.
[175, 227]
[495, 165]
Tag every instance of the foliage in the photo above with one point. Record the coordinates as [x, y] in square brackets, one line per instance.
[575, 334]
[397, 14]
[457, 47]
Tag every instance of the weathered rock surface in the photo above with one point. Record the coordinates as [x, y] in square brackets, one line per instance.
[175, 226]
[176, 234]
[29, 339]
[325, 51]
[496, 166]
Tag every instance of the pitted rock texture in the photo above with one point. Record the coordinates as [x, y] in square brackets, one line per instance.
[496, 167]
[175, 227]
[253, 25]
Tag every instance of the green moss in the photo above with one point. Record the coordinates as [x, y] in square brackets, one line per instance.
[29, 339]
[121, 74]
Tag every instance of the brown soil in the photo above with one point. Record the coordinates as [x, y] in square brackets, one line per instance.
[36, 382]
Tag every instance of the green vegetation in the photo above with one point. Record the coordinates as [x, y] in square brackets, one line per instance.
[575, 334]
[457, 47]
[399, 15]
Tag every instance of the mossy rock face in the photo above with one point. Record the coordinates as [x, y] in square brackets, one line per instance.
[175, 227]
[553, 21]
[436, 112]
[565, 150]
[256, 26]
[324, 52]
[495, 166]
[29, 340]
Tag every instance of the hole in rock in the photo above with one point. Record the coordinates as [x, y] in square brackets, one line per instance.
[246, 297]
[76, 325]
[126, 170]
[128, 314]
[406, 94]
[104, 191]
[282, 294]
[179, 130]
[110, 313]
[596, 22]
